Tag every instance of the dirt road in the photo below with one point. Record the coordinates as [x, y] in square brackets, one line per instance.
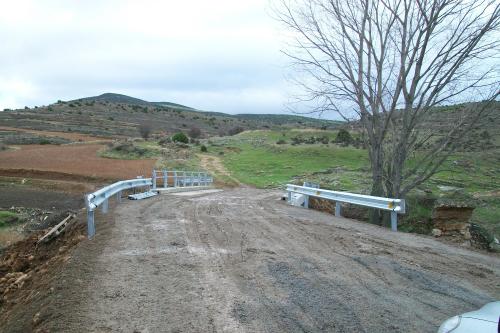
[242, 261]
[214, 165]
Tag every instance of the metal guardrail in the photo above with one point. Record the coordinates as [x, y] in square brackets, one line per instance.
[181, 178]
[395, 206]
[178, 179]
[100, 197]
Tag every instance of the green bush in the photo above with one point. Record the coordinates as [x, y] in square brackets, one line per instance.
[180, 137]
[344, 137]
[203, 148]
[280, 142]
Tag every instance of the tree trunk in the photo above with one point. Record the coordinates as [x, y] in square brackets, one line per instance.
[377, 181]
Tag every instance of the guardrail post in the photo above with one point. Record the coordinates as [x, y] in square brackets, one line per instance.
[165, 178]
[289, 197]
[175, 178]
[90, 224]
[338, 209]
[306, 201]
[394, 221]
[105, 206]
[154, 179]
[183, 178]
[119, 196]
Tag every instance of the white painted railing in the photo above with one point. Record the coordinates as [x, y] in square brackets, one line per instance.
[175, 178]
[395, 206]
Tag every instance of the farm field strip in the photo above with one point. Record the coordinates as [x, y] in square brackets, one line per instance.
[79, 160]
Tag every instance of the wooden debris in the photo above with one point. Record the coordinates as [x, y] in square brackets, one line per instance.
[57, 230]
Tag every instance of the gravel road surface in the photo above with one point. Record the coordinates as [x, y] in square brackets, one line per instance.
[241, 260]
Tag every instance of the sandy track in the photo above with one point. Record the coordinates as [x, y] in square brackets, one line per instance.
[242, 261]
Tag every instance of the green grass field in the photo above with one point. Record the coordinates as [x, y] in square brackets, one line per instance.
[255, 158]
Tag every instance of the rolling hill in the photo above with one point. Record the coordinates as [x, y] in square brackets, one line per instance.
[112, 114]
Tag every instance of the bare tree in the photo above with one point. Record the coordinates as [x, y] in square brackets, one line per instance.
[145, 129]
[389, 64]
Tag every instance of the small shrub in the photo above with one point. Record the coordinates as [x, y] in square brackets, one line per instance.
[44, 142]
[280, 142]
[203, 149]
[111, 118]
[194, 132]
[145, 130]
[180, 137]
[164, 141]
[344, 137]
[236, 130]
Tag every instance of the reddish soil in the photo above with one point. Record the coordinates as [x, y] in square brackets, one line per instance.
[65, 135]
[79, 160]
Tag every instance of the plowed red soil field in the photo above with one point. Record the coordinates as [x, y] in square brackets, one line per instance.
[78, 160]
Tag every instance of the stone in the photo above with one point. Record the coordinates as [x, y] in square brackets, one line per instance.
[436, 232]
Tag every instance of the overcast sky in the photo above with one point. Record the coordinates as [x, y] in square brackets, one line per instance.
[213, 55]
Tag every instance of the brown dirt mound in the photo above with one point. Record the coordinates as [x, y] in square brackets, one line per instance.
[28, 269]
